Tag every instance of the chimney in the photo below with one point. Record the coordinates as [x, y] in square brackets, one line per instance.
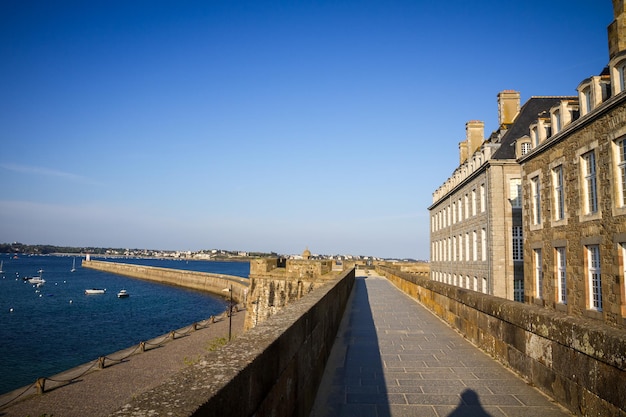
[462, 152]
[475, 134]
[508, 106]
[617, 29]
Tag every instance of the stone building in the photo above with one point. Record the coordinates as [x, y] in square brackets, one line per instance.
[574, 193]
[476, 215]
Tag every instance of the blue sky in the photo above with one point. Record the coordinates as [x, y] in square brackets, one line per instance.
[262, 125]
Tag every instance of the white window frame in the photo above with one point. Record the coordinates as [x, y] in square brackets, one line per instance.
[483, 246]
[594, 277]
[559, 192]
[474, 202]
[474, 245]
[590, 184]
[538, 274]
[620, 161]
[561, 274]
[535, 187]
[483, 200]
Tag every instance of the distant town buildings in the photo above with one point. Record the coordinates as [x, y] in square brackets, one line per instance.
[536, 212]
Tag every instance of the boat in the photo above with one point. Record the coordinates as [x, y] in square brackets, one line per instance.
[95, 291]
[1, 265]
[123, 294]
[73, 266]
[37, 280]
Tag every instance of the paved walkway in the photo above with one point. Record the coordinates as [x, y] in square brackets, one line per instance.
[392, 357]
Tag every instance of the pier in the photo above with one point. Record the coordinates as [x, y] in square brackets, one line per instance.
[218, 284]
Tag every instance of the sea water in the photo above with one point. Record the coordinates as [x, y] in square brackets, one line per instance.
[49, 329]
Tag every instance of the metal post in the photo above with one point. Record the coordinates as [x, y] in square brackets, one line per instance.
[230, 313]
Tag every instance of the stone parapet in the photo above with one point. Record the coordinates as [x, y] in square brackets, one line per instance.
[273, 369]
[581, 363]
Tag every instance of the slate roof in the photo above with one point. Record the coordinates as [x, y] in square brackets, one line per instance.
[520, 127]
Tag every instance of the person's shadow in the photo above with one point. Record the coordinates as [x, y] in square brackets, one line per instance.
[469, 406]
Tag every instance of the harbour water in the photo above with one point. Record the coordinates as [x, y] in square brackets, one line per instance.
[48, 329]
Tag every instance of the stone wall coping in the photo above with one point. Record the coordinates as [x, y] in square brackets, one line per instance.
[234, 380]
[594, 338]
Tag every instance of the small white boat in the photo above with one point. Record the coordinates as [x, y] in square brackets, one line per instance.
[95, 291]
[73, 266]
[37, 280]
[1, 265]
[123, 294]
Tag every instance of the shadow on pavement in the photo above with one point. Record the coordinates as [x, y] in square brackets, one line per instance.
[469, 406]
[354, 383]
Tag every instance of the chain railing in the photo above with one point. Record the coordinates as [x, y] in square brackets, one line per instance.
[45, 384]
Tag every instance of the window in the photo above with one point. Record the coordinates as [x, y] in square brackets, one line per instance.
[467, 247]
[561, 276]
[621, 171]
[559, 194]
[515, 191]
[534, 133]
[622, 77]
[594, 277]
[538, 275]
[536, 200]
[557, 121]
[590, 185]
[482, 198]
[473, 202]
[460, 247]
[454, 213]
[483, 246]
[586, 100]
[474, 245]
[518, 290]
[460, 210]
[526, 147]
[466, 206]
[518, 242]
[484, 285]
[454, 248]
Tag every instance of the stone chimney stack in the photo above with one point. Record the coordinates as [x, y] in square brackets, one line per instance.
[617, 29]
[462, 152]
[475, 134]
[508, 106]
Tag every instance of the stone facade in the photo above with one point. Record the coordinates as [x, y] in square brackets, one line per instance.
[574, 188]
[476, 216]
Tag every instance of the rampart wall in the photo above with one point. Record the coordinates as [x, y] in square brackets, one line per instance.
[579, 362]
[203, 281]
[273, 369]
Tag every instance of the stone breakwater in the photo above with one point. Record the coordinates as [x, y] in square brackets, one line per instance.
[217, 284]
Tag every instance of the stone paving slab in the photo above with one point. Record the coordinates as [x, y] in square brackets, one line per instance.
[393, 358]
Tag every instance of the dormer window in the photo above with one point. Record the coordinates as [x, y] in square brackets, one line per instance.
[617, 70]
[556, 121]
[522, 146]
[585, 100]
[534, 135]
